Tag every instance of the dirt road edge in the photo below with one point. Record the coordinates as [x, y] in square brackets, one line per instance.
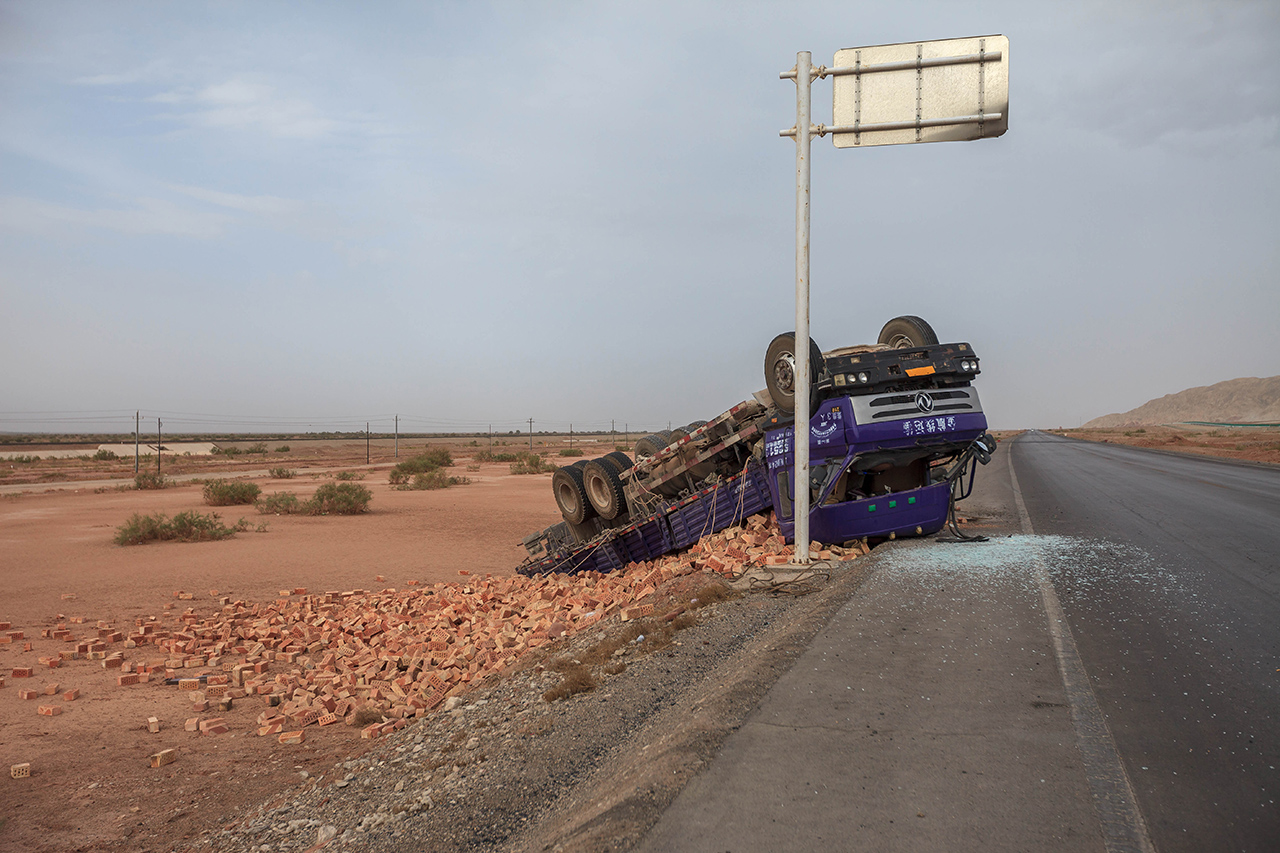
[615, 806]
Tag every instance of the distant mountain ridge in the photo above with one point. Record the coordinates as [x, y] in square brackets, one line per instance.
[1239, 401]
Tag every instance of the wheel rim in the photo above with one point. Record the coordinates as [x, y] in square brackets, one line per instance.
[784, 372]
[900, 341]
[567, 497]
[598, 491]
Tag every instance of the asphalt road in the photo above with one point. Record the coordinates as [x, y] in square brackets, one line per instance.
[1168, 568]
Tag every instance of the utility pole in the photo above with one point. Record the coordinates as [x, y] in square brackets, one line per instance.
[159, 446]
[366, 442]
[490, 438]
[397, 436]
[530, 435]
[136, 457]
[613, 427]
[626, 433]
[571, 436]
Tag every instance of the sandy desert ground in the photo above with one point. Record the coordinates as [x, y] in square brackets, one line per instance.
[90, 786]
[1250, 444]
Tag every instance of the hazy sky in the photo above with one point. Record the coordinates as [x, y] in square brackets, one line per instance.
[282, 216]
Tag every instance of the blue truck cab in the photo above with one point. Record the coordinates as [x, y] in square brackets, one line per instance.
[877, 463]
[895, 430]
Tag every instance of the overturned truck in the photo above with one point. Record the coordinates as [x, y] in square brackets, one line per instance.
[896, 431]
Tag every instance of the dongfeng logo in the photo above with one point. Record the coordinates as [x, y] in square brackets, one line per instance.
[924, 402]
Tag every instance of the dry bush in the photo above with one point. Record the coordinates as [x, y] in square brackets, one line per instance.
[365, 716]
[576, 679]
[228, 493]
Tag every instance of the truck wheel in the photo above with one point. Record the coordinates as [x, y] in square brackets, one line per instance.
[907, 331]
[603, 488]
[780, 371]
[650, 445]
[680, 432]
[621, 461]
[571, 495]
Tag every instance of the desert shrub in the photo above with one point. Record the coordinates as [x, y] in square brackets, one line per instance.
[256, 448]
[365, 715]
[531, 463]
[282, 473]
[230, 493]
[473, 443]
[227, 451]
[150, 480]
[570, 451]
[348, 476]
[432, 460]
[435, 479]
[284, 448]
[189, 526]
[280, 503]
[622, 447]
[24, 460]
[490, 456]
[473, 466]
[192, 526]
[575, 679]
[104, 455]
[339, 499]
[140, 528]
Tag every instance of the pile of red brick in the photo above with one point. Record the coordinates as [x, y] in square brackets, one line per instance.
[757, 543]
[319, 658]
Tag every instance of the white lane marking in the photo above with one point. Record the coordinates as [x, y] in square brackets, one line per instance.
[1123, 827]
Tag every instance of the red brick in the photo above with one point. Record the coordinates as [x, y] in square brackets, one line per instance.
[28, 694]
[49, 710]
[20, 771]
[126, 679]
[21, 672]
[71, 695]
[293, 737]
[163, 757]
[192, 724]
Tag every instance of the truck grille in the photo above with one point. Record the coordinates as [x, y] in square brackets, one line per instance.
[877, 408]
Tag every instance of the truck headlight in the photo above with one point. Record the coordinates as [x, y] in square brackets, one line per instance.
[862, 377]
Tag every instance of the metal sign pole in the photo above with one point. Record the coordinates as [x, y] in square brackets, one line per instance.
[804, 84]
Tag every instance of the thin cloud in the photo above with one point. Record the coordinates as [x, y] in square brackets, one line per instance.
[151, 71]
[240, 104]
[265, 205]
[147, 216]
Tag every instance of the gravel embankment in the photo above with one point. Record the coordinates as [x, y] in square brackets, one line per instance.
[504, 770]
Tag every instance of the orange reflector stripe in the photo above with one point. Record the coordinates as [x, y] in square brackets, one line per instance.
[920, 371]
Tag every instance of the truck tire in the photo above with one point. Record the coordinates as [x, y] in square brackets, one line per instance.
[680, 432]
[779, 371]
[650, 445]
[621, 461]
[603, 488]
[907, 331]
[571, 495]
